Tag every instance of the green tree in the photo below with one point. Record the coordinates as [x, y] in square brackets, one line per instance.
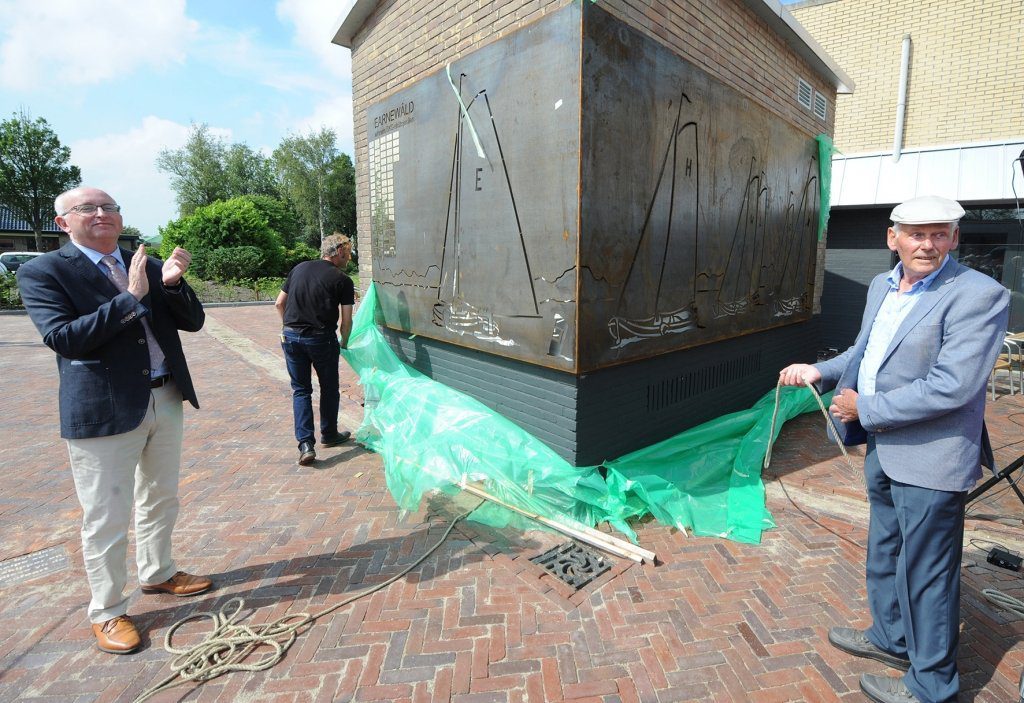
[34, 169]
[197, 170]
[207, 169]
[281, 216]
[248, 172]
[342, 196]
[224, 224]
[319, 182]
[132, 231]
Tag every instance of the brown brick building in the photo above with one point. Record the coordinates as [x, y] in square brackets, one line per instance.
[565, 202]
[961, 134]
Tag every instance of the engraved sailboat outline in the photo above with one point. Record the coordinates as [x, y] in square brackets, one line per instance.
[750, 222]
[794, 217]
[457, 314]
[625, 330]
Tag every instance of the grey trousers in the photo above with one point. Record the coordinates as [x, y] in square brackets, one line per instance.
[915, 545]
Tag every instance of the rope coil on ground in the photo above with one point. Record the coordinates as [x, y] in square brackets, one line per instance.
[1001, 600]
[229, 644]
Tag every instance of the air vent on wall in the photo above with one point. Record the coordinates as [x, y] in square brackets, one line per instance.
[670, 391]
[820, 106]
[803, 93]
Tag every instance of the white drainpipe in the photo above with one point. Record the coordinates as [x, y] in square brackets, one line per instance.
[901, 104]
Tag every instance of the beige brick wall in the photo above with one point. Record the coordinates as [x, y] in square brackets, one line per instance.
[966, 70]
[404, 41]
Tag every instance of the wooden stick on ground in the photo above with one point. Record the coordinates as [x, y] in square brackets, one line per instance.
[595, 538]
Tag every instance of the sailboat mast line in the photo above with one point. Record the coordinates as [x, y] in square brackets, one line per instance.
[515, 210]
[671, 210]
[739, 223]
[650, 209]
[448, 213]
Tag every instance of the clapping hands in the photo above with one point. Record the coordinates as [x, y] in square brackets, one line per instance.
[176, 266]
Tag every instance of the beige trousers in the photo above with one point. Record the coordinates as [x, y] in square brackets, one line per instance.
[111, 474]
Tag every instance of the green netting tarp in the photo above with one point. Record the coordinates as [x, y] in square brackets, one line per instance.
[825, 151]
[706, 480]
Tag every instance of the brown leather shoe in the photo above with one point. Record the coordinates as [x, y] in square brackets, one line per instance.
[117, 635]
[181, 584]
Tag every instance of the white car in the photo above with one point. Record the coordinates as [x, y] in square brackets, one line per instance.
[3, 269]
[13, 259]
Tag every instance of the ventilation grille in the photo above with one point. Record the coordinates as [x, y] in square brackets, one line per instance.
[804, 93]
[677, 389]
[820, 106]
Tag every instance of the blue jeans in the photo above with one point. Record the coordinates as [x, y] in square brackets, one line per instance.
[304, 353]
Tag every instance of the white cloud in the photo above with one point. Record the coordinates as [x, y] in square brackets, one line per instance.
[314, 22]
[335, 113]
[124, 165]
[71, 42]
[245, 55]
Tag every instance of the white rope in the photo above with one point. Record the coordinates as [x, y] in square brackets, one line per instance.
[830, 426]
[1001, 600]
[227, 647]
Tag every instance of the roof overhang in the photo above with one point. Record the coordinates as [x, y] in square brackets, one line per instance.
[771, 11]
[351, 20]
[799, 39]
[980, 172]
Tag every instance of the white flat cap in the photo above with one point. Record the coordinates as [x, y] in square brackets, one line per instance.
[926, 209]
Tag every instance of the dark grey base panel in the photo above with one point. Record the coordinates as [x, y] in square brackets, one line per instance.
[606, 414]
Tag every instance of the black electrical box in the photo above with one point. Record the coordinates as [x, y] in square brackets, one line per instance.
[1004, 559]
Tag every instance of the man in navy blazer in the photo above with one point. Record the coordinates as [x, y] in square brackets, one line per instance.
[113, 319]
[912, 387]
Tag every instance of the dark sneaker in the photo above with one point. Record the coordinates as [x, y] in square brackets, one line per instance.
[855, 642]
[307, 455]
[886, 689]
[335, 438]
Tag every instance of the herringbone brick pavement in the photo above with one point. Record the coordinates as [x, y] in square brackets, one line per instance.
[716, 621]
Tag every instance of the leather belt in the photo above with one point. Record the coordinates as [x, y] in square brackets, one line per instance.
[159, 382]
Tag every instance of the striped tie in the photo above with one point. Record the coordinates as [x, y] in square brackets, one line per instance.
[120, 279]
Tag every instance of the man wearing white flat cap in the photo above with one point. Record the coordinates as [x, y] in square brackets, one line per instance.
[912, 387]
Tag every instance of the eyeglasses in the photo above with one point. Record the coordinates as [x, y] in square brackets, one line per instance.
[89, 208]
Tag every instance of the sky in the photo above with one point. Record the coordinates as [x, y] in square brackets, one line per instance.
[121, 80]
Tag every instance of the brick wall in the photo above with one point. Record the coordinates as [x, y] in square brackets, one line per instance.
[402, 42]
[966, 70]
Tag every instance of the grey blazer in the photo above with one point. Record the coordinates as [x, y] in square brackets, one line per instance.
[928, 411]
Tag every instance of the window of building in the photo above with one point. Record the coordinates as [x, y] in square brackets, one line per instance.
[992, 242]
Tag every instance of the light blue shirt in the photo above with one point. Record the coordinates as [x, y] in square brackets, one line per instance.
[895, 308]
[97, 258]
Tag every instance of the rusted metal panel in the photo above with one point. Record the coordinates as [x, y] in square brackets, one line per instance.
[481, 251]
[699, 207]
[626, 205]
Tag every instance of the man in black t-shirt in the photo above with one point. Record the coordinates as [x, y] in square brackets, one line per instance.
[314, 297]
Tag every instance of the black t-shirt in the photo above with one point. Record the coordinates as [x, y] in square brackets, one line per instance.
[315, 290]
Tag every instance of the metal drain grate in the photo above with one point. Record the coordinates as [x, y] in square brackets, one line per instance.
[575, 565]
[30, 566]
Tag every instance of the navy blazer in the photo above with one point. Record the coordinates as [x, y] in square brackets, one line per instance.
[928, 410]
[100, 342]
